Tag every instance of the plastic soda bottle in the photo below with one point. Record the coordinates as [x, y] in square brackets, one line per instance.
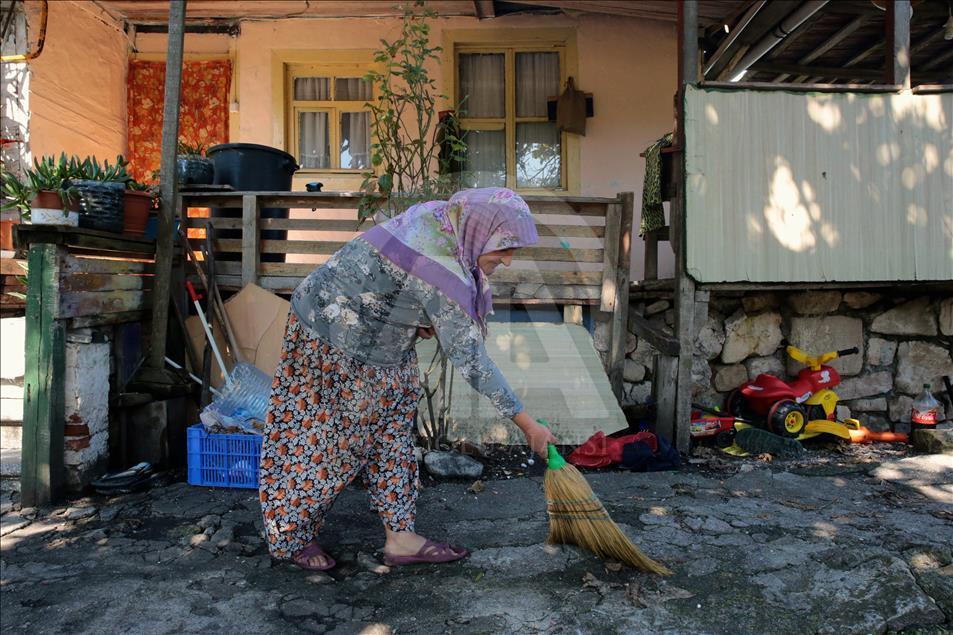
[926, 410]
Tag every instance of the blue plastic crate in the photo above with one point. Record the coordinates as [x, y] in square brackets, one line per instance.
[223, 460]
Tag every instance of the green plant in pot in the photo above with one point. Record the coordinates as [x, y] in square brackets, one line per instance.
[101, 188]
[46, 196]
[192, 166]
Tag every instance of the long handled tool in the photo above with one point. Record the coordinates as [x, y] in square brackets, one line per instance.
[208, 332]
[215, 297]
[193, 376]
[577, 517]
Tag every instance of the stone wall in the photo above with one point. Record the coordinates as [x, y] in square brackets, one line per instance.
[86, 431]
[905, 341]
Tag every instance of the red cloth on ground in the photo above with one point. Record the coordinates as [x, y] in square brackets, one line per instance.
[602, 451]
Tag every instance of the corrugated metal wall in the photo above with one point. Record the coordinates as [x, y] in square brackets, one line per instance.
[804, 187]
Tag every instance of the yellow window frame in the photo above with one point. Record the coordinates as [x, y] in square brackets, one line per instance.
[510, 119]
[331, 106]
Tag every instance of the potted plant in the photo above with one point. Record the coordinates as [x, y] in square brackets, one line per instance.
[47, 196]
[192, 166]
[138, 201]
[16, 204]
[101, 188]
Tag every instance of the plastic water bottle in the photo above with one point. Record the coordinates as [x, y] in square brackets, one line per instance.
[250, 392]
[926, 410]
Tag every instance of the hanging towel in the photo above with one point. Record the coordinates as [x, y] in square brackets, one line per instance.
[653, 214]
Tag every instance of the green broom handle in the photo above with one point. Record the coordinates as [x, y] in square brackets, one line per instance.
[555, 461]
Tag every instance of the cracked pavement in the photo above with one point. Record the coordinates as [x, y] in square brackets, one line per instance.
[755, 547]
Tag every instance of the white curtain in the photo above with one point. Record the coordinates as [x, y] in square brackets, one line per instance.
[352, 89]
[482, 85]
[485, 163]
[313, 143]
[537, 77]
[312, 88]
[355, 140]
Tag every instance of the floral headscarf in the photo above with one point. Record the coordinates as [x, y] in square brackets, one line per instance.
[441, 241]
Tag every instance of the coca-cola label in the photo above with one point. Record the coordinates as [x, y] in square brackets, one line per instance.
[925, 417]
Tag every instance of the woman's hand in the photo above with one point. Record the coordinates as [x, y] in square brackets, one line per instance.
[538, 436]
[425, 332]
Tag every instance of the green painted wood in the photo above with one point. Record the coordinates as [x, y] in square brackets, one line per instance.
[41, 474]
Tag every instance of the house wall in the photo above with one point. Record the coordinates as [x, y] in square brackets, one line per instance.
[78, 84]
[628, 65]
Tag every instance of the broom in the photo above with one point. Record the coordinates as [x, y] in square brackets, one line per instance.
[577, 517]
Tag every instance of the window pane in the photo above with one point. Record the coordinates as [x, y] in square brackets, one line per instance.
[482, 87]
[485, 161]
[352, 89]
[355, 140]
[537, 155]
[312, 88]
[313, 140]
[537, 77]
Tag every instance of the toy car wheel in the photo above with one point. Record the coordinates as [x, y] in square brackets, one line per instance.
[725, 438]
[787, 418]
[736, 404]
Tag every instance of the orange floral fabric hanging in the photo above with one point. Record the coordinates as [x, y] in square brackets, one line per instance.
[203, 109]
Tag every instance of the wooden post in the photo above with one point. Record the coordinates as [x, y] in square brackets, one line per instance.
[165, 232]
[664, 375]
[684, 296]
[572, 313]
[650, 269]
[620, 309]
[610, 258]
[897, 42]
[41, 471]
[250, 239]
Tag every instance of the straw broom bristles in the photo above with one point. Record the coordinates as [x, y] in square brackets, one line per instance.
[576, 516]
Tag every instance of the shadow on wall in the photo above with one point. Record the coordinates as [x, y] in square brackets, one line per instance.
[819, 187]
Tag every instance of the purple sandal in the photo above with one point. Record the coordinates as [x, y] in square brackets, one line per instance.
[303, 555]
[430, 552]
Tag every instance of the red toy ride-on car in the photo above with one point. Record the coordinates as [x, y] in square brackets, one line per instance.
[787, 408]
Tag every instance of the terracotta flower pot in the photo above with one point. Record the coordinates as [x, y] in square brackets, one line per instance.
[6, 233]
[136, 207]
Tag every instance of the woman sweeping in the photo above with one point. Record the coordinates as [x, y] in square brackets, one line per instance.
[345, 393]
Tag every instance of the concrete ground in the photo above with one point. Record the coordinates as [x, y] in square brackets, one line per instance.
[811, 547]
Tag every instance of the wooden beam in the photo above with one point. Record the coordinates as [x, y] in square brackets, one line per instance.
[828, 71]
[659, 339]
[733, 34]
[41, 463]
[572, 313]
[165, 233]
[808, 88]
[484, 9]
[620, 304]
[684, 286]
[250, 239]
[897, 43]
[939, 60]
[610, 258]
[829, 43]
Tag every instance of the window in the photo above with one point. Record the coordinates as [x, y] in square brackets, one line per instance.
[503, 95]
[329, 124]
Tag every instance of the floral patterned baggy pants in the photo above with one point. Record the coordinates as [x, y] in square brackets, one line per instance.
[331, 418]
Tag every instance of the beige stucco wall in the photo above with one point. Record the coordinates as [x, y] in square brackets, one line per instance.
[628, 65]
[78, 84]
